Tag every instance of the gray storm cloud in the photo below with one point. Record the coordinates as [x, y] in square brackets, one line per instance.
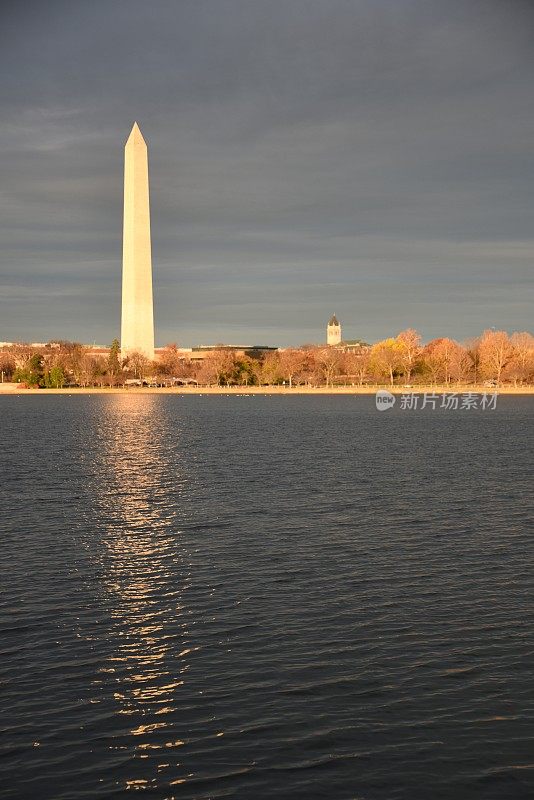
[371, 158]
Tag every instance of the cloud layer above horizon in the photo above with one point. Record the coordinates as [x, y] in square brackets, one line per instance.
[370, 158]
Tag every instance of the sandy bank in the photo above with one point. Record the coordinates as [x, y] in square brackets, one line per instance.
[12, 388]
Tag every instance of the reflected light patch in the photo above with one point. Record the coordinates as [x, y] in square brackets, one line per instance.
[145, 571]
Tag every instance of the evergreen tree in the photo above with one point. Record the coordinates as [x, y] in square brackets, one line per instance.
[32, 373]
[54, 378]
[114, 366]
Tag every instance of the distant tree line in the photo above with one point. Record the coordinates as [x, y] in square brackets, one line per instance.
[495, 357]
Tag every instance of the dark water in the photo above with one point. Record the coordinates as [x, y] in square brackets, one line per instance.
[265, 597]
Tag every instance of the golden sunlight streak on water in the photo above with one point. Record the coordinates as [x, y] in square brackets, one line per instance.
[146, 574]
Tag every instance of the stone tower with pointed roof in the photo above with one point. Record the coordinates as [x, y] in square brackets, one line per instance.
[333, 331]
[137, 322]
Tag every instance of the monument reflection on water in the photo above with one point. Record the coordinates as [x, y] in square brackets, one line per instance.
[146, 575]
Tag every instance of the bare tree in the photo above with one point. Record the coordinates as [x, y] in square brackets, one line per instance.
[329, 361]
[87, 370]
[138, 364]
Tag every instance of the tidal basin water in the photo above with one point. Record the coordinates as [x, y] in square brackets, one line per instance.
[265, 597]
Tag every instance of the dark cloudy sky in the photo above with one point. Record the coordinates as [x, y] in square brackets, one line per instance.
[372, 158]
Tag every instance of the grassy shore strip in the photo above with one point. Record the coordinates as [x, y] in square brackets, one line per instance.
[10, 388]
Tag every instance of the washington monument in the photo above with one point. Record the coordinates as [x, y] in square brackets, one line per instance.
[137, 325]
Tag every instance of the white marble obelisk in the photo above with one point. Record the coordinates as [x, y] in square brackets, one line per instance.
[137, 324]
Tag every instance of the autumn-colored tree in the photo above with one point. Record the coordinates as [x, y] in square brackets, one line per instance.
[356, 365]
[291, 363]
[444, 360]
[432, 361]
[21, 353]
[169, 361]
[523, 359]
[410, 342]
[386, 359]
[172, 364]
[311, 371]
[494, 355]
[496, 352]
[217, 367]
[269, 368]
[451, 353]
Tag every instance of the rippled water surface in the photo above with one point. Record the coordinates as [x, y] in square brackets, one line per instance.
[265, 597]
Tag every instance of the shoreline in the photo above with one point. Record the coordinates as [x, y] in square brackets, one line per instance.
[12, 389]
